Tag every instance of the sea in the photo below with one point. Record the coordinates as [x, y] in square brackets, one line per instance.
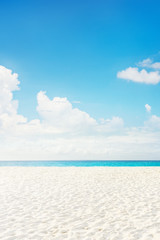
[80, 163]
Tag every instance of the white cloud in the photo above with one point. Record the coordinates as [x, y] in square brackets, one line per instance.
[8, 83]
[133, 74]
[59, 113]
[148, 63]
[145, 63]
[153, 123]
[148, 108]
[155, 65]
[8, 107]
[110, 125]
[65, 132]
[133, 144]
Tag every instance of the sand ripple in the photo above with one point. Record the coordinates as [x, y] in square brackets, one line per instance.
[95, 203]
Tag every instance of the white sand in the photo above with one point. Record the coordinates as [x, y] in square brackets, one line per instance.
[79, 203]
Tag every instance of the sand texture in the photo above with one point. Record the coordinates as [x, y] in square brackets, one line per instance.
[97, 203]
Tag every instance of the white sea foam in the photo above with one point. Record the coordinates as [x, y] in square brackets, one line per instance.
[97, 203]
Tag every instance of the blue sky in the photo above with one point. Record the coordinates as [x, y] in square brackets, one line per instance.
[75, 49]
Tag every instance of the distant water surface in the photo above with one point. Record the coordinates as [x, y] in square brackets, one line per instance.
[80, 163]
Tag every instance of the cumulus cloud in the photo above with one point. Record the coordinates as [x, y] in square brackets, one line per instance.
[59, 113]
[142, 76]
[148, 108]
[8, 83]
[64, 132]
[8, 107]
[133, 74]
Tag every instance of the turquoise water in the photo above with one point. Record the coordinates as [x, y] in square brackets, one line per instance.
[80, 163]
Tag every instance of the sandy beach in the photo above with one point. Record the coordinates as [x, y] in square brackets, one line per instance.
[96, 203]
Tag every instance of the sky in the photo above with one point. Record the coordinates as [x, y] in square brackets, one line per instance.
[79, 80]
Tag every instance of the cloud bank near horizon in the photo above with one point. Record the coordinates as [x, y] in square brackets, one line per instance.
[64, 132]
